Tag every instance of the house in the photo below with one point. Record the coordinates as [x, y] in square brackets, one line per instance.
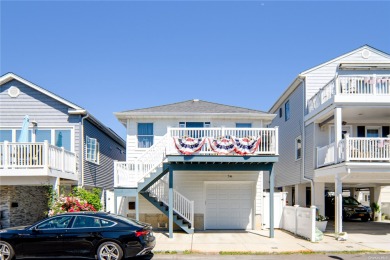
[194, 163]
[66, 146]
[334, 130]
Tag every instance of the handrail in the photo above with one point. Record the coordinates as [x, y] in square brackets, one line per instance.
[181, 205]
[37, 155]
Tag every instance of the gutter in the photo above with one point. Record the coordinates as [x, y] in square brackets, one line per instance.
[86, 115]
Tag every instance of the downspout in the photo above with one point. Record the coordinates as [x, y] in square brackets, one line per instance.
[304, 143]
[82, 148]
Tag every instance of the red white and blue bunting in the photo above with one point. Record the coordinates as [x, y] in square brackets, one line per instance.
[222, 145]
[189, 145]
[246, 145]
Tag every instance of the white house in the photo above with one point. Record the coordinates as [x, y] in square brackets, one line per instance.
[334, 124]
[199, 163]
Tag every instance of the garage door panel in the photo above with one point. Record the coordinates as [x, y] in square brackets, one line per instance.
[229, 206]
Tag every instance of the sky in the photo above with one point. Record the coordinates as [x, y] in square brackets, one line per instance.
[112, 56]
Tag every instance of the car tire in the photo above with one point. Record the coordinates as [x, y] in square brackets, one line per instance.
[109, 250]
[6, 251]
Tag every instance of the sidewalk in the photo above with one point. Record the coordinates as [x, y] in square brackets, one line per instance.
[214, 242]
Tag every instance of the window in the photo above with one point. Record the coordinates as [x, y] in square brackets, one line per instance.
[145, 135]
[298, 148]
[5, 135]
[54, 223]
[92, 154]
[18, 134]
[280, 112]
[62, 139]
[243, 125]
[86, 222]
[287, 110]
[42, 135]
[372, 131]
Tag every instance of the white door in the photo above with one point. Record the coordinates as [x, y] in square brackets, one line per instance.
[229, 206]
[279, 203]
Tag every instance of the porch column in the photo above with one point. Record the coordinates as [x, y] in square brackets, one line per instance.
[319, 197]
[300, 195]
[115, 202]
[375, 196]
[289, 199]
[338, 219]
[56, 185]
[137, 206]
[354, 194]
[170, 203]
[271, 201]
[338, 128]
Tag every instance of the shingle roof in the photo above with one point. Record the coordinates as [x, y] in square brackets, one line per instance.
[195, 106]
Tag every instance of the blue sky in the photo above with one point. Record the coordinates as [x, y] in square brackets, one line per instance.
[111, 56]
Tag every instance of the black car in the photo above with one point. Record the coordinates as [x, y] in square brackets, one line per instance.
[352, 209]
[79, 234]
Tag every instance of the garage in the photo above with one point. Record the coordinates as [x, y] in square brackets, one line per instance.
[229, 205]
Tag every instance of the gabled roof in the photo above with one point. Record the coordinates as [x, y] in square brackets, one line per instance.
[73, 108]
[193, 108]
[297, 81]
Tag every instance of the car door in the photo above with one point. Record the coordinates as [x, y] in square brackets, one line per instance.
[46, 238]
[80, 239]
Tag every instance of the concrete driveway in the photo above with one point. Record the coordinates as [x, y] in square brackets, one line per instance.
[361, 236]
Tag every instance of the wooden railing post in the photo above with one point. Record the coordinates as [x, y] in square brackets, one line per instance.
[337, 86]
[347, 155]
[63, 159]
[6, 154]
[192, 215]
[46, 154]
[276, 136]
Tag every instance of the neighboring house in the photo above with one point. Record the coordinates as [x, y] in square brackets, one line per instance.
[334, 124]
[66, 146]
[172, 170]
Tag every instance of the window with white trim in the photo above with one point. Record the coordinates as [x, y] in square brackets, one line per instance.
[92, 147]
[287, 110]
[298, 148]
[145, 135]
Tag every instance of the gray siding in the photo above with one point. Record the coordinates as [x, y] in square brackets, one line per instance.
[45, 110]
[101, 175]
[309, 151]
[288, 169]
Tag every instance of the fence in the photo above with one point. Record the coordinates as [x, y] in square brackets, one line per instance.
[300, 221]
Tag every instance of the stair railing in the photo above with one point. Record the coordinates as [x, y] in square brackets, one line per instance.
[181, 205]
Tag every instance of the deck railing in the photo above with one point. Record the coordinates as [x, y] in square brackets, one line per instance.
[37, 155]
[355, 149]
[351, 86]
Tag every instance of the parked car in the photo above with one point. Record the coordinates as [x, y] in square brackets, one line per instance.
[79, 234]
[352, 209]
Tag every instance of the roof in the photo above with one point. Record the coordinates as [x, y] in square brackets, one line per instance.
[296, 82]
[193, 108]
[74, 109]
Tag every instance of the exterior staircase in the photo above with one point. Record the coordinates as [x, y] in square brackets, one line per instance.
[145, 175]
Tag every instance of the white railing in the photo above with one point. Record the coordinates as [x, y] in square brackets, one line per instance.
[36, 155]
[355, 149]
[350, 85]
[181, 205]
[325, 155]
[367, 149]
[268, 137]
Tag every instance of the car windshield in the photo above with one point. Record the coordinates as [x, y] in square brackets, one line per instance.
[350, 201]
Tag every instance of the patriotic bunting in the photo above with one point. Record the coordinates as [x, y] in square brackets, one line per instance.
[222, 145]
[246, 145]
[188, 145]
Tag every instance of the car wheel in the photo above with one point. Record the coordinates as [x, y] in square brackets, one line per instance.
[109, 251]
[6, 251]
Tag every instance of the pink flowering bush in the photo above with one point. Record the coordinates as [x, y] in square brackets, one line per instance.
[69, 204]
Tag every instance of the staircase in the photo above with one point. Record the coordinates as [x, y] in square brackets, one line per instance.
[145, 175]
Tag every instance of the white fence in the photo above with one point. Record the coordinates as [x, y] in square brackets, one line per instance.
[300, 221]
[36, 155]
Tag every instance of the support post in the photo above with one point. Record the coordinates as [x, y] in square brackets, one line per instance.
[338, 126]
[115, 202]
[338, 204]
[137, 206]
[170, 202]
[271, 201]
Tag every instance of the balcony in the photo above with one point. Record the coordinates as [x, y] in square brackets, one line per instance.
[128, 174]
[37, 159]
[354, 149]
[348, 86]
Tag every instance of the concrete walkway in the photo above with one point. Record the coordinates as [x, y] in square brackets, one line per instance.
[257, 241]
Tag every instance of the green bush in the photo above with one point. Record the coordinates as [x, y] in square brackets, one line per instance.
[92, 197]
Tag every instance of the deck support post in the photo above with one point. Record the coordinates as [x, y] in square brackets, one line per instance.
[338, 204]
[170, 202]
[271, 201]
[137, 206]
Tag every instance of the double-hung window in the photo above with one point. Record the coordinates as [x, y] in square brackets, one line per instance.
[298, 148]
[92, 148]
[145, 135]
[287, 110]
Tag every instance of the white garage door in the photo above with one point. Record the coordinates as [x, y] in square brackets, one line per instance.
[229, 206]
